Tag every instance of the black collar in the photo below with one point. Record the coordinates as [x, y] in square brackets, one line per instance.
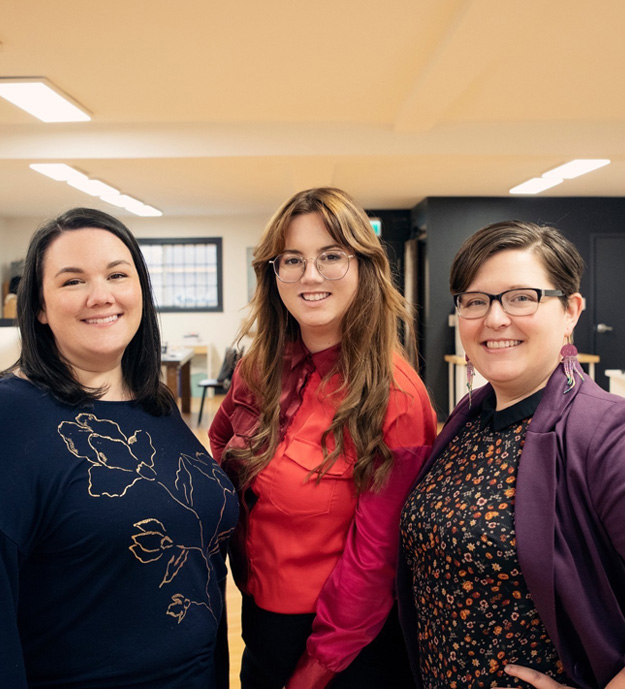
[517, 412]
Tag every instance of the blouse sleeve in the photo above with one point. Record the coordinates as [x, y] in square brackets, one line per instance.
[236, 419]
[359, 593]
[12, 671]
[221, 429]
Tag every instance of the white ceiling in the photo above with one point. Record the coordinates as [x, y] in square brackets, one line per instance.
[202, 107]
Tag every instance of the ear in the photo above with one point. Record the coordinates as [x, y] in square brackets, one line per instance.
[573, 311]
[41, 317]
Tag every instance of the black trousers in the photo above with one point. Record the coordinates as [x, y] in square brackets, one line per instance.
[275, 642]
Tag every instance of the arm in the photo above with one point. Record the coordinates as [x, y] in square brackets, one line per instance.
[235, 420]
[12, 671]
[221, 429]
[358, 595]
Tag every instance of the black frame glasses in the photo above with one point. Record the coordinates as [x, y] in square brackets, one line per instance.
[303, 262]
[526, 307]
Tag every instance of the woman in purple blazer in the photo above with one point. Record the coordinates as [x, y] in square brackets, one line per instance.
[512, 564]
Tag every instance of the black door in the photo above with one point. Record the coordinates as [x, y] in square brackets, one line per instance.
[608, 277]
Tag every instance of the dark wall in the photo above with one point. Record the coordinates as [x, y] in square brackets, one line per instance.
[449, 221]
[396, 228]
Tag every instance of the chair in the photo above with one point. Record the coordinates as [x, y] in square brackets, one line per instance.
[221, 384]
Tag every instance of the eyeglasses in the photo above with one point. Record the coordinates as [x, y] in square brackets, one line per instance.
[515, 302]
[332, 265]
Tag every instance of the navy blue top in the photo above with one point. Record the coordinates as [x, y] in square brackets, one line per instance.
[113, 529]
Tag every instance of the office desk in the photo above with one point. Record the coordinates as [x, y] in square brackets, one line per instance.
[177, 363]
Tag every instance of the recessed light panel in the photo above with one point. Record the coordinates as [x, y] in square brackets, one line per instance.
[39, 98]
[575, 168]
[535, 185]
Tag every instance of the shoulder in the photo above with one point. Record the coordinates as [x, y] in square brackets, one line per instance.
[408, 391]
[588, 421]
[405, 378]
[590, 394]
[589, 404]
[597, 414]
[408, 398]
[18, 394]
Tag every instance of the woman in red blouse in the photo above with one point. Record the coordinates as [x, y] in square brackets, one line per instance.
[323, 430]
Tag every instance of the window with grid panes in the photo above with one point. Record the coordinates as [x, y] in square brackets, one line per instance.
[185, 273]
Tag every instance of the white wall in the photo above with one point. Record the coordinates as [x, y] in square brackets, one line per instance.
[216, 329]
[4, 269]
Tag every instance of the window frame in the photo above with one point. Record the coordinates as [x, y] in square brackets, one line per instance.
[213, 241]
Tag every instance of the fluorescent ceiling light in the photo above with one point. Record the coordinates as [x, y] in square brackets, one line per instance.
[39, 98]
[147, 211]
[131, 204]
[575, 168]
[535, 185]
[93, 187]
[57, 171]
[119, 200]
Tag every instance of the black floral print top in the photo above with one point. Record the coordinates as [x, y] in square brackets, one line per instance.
[475, 613]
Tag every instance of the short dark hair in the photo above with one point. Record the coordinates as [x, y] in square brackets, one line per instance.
[560, 258]
[40, 360]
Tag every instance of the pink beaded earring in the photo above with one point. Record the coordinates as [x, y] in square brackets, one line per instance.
[571, 364]
[470, 376]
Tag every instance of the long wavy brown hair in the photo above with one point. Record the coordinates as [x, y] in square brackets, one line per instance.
[368, 342]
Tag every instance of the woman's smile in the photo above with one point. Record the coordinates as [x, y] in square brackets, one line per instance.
[501, 344]
[315, 296]
[102, 320]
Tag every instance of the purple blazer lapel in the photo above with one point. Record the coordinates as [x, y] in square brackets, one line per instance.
[534, 517]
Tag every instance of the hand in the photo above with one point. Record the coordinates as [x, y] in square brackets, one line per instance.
[533, 677]
[540, 681]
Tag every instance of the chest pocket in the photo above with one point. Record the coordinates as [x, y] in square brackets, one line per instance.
[293, 492]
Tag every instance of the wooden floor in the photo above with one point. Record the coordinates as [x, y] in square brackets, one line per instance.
[233, 598]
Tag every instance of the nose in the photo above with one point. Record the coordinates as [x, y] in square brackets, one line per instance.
[311, 272]
[496, 317]
[100, 293]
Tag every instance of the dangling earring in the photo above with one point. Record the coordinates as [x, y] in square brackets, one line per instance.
[470, 375]
[571, 364]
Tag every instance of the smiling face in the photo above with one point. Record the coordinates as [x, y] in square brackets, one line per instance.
[92, 300]
[317, 304]
[517, 354]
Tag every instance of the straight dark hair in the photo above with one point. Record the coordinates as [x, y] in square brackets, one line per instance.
[40, 360]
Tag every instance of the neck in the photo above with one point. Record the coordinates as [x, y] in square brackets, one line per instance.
[111, 381]
[317, 342]
[507, 398]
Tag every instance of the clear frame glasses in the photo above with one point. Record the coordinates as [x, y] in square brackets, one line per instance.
[332, 265]
[515, 302]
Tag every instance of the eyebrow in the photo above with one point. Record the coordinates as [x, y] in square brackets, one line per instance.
[319, 251]
[80, 271]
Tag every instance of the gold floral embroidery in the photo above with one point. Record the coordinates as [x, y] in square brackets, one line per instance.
[118, 462]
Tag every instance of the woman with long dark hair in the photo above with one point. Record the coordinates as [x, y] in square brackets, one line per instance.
[113, 518]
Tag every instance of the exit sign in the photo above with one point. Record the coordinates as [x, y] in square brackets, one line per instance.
[376, 223]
